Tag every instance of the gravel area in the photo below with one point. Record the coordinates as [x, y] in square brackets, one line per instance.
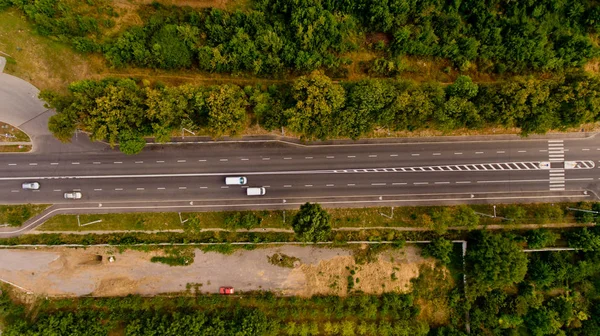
[78, 272]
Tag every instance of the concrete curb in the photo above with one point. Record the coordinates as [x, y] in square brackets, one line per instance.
[2, 64]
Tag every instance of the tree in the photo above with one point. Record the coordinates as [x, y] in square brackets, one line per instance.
[466, 216]
[494, 261]
[226, 110]
[439, 248]
[541, 238]
[317, 101]
[366, 101]
[131, 142]
[442, 219]
[311, 223]
[587, 240]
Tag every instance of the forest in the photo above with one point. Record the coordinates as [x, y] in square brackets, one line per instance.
[272, 37]
[508, 292]
[315, 107]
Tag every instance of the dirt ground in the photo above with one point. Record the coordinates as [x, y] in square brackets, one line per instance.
[78, 272]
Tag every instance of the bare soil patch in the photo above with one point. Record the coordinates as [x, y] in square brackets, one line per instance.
[81, 272]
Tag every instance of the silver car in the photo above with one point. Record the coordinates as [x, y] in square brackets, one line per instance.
[73, 195]
[31, 186]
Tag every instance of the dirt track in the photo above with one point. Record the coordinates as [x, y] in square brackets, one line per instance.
[77, 272]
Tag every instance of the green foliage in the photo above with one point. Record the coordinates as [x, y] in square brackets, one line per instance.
[226, 110]
[541, 238]
[131, 143]
[312, 223]
[494, 261]
[242, 220]
[283, 260]
[317, 102]
[586, 239]
[176, 257]
[439, 248]
[466, 216]
[317, 108]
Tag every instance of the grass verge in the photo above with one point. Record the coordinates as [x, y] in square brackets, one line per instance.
[542, 213]
[15, 149]
[9, 133]
[15, 215]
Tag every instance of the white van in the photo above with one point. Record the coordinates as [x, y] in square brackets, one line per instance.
[237, 180]
[256, 191]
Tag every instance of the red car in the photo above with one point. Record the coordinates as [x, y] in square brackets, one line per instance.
[226, 290]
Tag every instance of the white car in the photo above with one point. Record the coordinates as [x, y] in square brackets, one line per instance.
[72, 195]
[31, 186]
[237, 180]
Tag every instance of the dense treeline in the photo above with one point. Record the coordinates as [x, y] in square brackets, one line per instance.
[274, 36]
[542, 293]
[514, 36]
[314, 107]
[388, 314]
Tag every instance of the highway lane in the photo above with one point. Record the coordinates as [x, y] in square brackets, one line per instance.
[296, 171]
[252, 157]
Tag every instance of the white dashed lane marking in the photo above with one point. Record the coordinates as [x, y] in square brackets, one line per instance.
[181, 161]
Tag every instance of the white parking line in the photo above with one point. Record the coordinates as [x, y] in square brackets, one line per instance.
[543, 150]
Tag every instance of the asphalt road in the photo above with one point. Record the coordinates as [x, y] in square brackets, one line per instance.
[354, 173]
